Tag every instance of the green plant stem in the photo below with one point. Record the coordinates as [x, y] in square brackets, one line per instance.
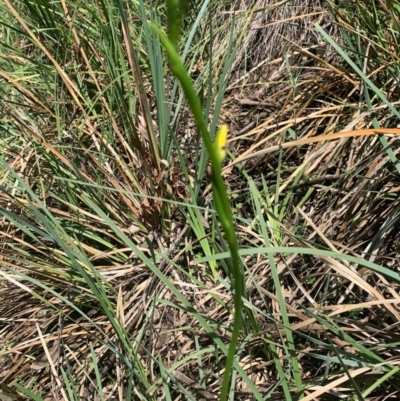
[220, 198]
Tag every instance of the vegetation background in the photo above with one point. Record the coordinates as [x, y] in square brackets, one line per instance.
[116, 276]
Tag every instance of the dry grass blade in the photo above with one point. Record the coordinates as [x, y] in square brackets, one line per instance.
[43, 361]
[197, 388]
[50, 356]
[349, 272]
[70, 85]
[134, 63]
[116, 278]
[7, 393]
[26, 92]
[334, 384]
[321, 138]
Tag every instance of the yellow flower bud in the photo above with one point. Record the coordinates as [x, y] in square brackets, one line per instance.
[220, 142]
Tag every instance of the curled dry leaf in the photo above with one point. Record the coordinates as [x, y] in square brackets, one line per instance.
[42, 362]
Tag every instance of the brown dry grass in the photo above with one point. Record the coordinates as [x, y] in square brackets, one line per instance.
[340, 195]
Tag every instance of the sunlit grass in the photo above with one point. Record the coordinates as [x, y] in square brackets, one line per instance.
[158, 252]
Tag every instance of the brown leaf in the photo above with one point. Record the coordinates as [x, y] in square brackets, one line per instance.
[194, 386]
[42, 362]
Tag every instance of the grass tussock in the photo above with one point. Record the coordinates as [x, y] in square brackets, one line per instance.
[116, 276]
